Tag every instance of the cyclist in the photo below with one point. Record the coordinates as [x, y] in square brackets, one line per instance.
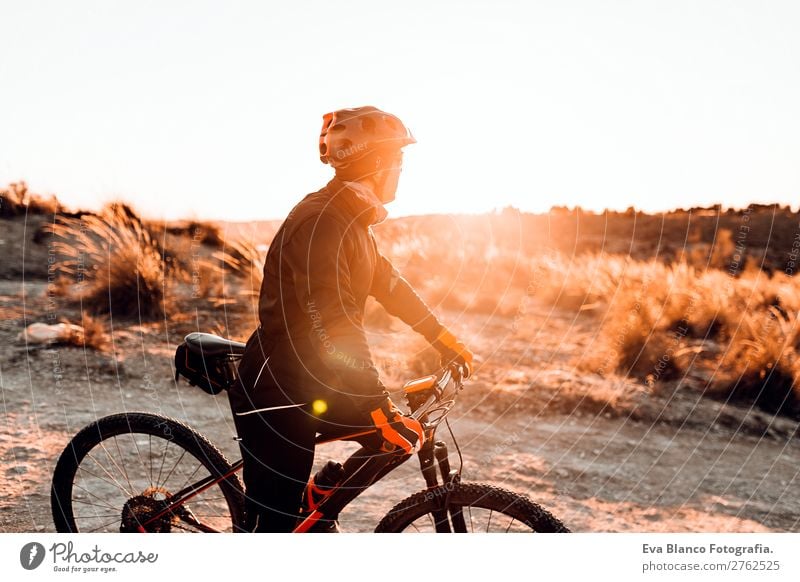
[307, 368]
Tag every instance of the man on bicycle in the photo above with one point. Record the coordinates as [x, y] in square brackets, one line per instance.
[307, 368]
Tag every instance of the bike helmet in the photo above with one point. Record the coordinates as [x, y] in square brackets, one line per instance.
[350, 134]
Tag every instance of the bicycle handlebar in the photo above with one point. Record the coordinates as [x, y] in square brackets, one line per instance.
[440, 397]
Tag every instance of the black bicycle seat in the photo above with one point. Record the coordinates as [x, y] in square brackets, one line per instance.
[208, 344]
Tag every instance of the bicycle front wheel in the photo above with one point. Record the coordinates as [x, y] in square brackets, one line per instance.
[469, 508]
[120, 473]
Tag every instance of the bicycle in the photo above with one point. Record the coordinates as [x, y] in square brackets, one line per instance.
[111, 476]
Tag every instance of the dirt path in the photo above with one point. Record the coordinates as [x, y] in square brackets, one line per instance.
[595, 473]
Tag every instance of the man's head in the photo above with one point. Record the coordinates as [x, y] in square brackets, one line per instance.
[365, 144]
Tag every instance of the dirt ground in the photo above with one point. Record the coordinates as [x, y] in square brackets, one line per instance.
[527, 422]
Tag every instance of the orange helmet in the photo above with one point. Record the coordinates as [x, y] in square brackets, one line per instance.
[350, 134]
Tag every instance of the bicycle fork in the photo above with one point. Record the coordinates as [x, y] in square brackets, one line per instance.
[450, 478]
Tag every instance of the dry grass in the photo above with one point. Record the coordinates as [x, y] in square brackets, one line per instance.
[116, 265]
[762, 364]
[664, 323]
[17, 200]
[243, 260]
[202, 232]
[94, 332]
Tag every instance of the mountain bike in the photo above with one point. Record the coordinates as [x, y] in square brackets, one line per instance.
[147, 473]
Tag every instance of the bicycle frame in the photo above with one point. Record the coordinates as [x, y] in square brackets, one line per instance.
[361, 470]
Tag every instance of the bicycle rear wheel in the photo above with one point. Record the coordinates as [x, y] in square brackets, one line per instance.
[118, 473]
[483, 507]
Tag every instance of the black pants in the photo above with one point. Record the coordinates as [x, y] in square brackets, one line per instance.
[277, 422]
[278, 452]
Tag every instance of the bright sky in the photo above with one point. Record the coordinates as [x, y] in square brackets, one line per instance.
[213, 110]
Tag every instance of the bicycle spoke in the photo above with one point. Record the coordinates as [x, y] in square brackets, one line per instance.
[490, 520]
[110, 458]
[183, 453]
[138, 453]
[123, 468]
[150, 454]
[513, 519]
[113, 462]
[104, 505]
[471, 526]
[186, 481]
[95, 496]
[163, 459]
[119, 485]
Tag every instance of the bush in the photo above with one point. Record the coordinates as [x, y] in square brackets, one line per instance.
[244, 260]
[206, 233]
[117, 265]
[761, 366]
[17, 200]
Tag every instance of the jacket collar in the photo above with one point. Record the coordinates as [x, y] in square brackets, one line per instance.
[358, 200]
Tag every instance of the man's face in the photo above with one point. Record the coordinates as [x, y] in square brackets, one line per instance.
[388, 176]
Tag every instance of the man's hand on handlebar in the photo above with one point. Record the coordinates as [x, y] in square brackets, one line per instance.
[397, 430]
[453, 351]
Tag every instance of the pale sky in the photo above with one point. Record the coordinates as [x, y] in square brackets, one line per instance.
[213, 109]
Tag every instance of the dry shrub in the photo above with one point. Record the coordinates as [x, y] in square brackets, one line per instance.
[636, 344]
[244, 260]
[91, 333]
[207, 282]
[202, 232]
[17, 200]
[663, 321]
[116, 263]
[576, 283]
[653, 313]
[761, 365]
[94, 332]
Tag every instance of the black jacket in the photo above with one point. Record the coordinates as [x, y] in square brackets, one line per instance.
[320, 268]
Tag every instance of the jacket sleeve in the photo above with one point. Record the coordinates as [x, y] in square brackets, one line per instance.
[399, 298]
[317, 257]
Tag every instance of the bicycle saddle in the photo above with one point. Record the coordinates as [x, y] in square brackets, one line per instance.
[208, 344]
